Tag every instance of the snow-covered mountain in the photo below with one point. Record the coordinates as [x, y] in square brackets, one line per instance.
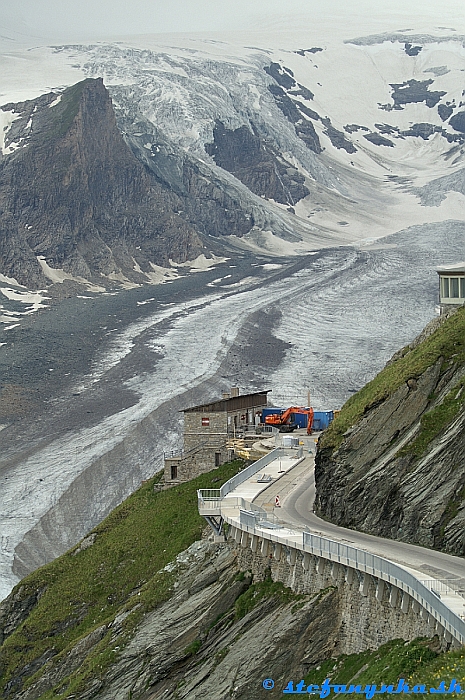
[278, 158]
[316, 145]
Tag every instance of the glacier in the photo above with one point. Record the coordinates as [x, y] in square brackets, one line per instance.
[316, 297]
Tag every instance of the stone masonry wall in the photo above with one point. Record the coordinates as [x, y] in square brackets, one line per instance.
[371, 612]
[201, 461]
[196, 434]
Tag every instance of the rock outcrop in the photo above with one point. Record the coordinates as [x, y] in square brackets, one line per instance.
[399, 470]
[74, 197]
[245, 155]
[232, 619]
[209, 639]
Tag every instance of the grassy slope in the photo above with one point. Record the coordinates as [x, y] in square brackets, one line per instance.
[417, 662]
[447, 342]
[117, 573]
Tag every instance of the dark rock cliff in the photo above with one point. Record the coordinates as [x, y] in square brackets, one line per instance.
[216, 633]
[244, 154]
[72, 191]
[398, 470]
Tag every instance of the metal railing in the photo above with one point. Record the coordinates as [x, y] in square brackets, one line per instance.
[248, 472]
[182, 454]
[254, 519]
[388, 571]
[360, 560]
[257, 466]
[445, 585]
[258, 430]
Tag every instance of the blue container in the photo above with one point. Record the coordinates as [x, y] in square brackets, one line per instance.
[322, 419]
[301, 419]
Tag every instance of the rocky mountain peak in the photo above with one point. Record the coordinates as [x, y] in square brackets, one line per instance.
[75, 199]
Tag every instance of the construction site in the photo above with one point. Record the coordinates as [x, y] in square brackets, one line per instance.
[238, 426]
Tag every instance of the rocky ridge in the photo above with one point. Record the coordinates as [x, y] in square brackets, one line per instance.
[75, 198]
[216, 151]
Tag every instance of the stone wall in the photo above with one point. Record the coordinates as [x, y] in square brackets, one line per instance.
[198, 434]
[371, 612]
[200, 461]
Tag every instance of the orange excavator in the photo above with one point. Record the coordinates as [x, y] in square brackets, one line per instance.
[286, 422]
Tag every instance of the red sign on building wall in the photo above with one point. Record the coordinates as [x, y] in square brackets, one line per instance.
[205, 422]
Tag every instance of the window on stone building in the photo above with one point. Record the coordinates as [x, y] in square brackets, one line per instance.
[174, 471]
[445, 287]
[217, 459]
[454, 287]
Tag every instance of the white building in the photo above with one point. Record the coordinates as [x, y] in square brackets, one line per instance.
[451, 285]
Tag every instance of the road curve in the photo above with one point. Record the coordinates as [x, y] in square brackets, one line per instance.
[297, 509]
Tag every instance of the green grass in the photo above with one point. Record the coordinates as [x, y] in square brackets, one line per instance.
[444, 668]
[447, 344]
[121, 571]
[193, 648]
[66, 110]
[417, 662]
[433, 422]
[263, 589]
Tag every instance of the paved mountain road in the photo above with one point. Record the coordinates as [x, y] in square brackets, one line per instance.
[297, 493]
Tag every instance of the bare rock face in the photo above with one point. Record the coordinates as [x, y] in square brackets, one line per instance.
[15, 609]
[194, 645]
[73, 192]
[254, 163]
[400, 470]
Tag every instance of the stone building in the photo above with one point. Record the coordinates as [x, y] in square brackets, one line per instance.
[451, 286]
[207, 429]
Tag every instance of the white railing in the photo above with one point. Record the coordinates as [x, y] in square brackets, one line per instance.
[205, 495]
[257, 466]
[253, 519]
[248, 472]
[445, 585]
[387, 571]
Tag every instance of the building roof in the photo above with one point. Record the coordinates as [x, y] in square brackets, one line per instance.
[234, 403]
[458, 268]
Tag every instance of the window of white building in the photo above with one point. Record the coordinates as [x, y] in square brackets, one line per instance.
[453, 287]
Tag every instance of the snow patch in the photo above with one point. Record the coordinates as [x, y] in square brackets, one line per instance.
[10, 280]
[55, 102]
[160, 274]
[242, 282]
[33, 298]
[201, 263]
[119, 277]
[258, 241]
[6, 120]
[58, 275]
